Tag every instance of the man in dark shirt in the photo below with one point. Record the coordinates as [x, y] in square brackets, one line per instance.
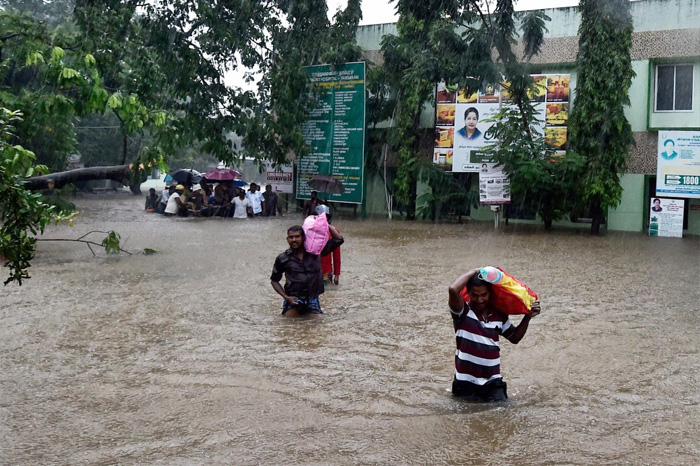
[302, 272]
[272, 202]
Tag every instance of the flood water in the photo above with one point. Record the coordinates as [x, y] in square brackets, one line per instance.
[181, 357]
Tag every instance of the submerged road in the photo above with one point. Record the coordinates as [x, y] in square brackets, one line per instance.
[181, 357]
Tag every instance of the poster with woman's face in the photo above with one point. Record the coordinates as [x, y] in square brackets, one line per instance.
[462, 114]
[470, 134]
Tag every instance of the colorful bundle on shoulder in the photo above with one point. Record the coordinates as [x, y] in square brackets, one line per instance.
[315, 233]
[508, 294]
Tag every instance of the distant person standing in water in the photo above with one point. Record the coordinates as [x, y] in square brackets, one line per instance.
[302, 272]
[152, 200]
[330, 263]
[272, 202]
[477, 328]
[310, 205]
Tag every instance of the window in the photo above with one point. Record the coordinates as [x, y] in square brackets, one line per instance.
[674, 88]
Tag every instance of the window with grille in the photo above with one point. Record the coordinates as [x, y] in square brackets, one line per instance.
[674, 88]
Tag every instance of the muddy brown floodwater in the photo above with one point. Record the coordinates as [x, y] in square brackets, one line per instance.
[181, 357]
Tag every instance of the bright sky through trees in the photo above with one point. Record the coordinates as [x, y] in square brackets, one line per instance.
[381, 11]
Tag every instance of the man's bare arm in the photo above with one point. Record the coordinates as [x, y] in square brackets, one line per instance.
[456, 301]
[277, 286]
[521, 329]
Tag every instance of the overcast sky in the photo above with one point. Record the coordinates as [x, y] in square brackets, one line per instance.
[381, 11]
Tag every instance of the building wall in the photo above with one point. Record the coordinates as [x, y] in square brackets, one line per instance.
[665, 32]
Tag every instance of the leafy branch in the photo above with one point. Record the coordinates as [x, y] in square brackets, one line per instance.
[111, 243]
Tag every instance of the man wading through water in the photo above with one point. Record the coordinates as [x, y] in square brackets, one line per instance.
[477, 327]
[302, 271]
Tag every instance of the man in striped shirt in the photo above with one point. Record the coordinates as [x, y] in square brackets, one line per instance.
[477, 328]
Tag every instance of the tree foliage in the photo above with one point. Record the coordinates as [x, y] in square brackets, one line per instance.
[22, 213]
[161, 70]
[456, 41]
[598, 129]
[540, 180]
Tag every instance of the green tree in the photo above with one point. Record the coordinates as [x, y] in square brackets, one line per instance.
[540, 180]
[456, 41]
[48, 74]
[22, 213]
[161, 73]
[598, 129]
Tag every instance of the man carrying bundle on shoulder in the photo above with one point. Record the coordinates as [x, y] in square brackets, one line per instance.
[302, 271]
[478, 324]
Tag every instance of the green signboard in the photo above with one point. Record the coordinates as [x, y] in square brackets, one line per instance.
[335, 132]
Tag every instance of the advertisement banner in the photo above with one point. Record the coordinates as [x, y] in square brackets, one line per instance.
[678, 164]
[494, 185]
[335, 132]
[461, 114]
[280, 178]
[666, 217]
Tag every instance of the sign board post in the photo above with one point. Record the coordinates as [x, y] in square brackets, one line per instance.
[666, 217]
[335, 131]
[678, 164]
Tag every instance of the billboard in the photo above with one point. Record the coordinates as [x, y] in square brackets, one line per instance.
[462, 114]
[280, 177]
[678, 164]
[335, 131]
[666, 217]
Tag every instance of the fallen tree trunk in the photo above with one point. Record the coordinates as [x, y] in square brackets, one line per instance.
[58, 180]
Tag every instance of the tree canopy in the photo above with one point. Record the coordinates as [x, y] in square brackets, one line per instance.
[463, 42]
[599, 130]
[162, 71]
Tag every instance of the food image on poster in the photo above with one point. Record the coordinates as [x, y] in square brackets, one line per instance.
[446, 93]
[445, 115]
[466, 95]
[490, 95]
[556, 137]
[444, 137]
[557, 114]
[443, 157]
[540, 92]
[557, 88]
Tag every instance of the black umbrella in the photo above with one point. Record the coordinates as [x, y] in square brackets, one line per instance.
[186, 176]
[326, 184]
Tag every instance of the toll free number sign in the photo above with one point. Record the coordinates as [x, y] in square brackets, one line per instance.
[678, 180]
[678, 164]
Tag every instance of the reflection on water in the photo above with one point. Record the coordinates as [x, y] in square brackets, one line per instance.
[182, 358]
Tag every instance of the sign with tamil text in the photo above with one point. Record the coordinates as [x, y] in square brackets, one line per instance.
[678, 164]
[335, 131]
[666, 217]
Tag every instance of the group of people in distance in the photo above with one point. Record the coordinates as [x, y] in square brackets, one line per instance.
[224, 200]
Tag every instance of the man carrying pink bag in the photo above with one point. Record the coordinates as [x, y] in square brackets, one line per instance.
[301, 265]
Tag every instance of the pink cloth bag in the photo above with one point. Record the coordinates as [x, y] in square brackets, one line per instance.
[316, 232]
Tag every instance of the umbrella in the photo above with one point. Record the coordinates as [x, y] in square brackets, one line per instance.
[222, 174]
[326, 184]
[186, 175]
